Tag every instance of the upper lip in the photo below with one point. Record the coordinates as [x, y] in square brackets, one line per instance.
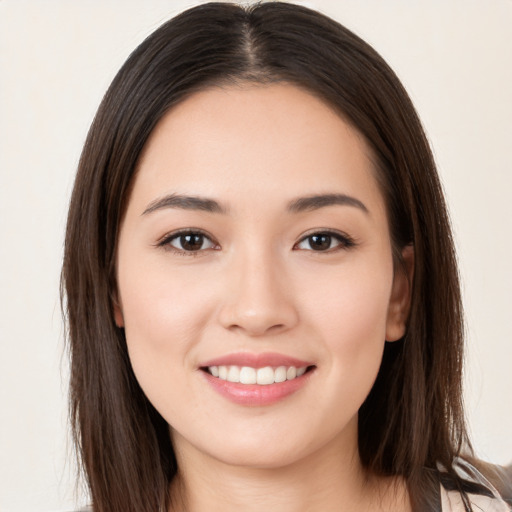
[256, 360]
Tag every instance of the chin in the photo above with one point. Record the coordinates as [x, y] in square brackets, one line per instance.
[270, 448]
[257, 458]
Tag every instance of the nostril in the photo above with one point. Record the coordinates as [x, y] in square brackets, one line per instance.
[256, 327]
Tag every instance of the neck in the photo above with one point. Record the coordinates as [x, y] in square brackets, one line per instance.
[330, 480]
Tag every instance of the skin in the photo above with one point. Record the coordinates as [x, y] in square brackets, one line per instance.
[259, 286]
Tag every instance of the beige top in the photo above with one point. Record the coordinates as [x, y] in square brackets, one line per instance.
[451, 501]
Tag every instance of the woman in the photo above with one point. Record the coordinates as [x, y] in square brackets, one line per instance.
[262, 292]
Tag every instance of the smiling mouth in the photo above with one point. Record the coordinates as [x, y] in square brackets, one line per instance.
[262, 376]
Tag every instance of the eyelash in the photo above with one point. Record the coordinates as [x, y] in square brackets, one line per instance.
[345, 242]
[165, 242]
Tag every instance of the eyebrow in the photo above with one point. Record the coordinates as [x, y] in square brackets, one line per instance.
[301, 204]
[315, 202]
[185, 203]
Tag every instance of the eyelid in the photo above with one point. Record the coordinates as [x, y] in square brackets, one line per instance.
[346, 241]
[165, 241]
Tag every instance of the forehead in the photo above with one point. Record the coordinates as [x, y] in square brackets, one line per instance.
[255, 141]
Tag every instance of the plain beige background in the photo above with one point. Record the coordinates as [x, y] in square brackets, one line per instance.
[57, 57]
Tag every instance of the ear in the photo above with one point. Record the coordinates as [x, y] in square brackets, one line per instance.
[116, 309]
[400, 299]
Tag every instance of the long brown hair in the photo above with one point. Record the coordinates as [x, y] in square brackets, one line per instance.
[413, 418]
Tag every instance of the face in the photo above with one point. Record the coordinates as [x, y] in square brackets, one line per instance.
[255, 248]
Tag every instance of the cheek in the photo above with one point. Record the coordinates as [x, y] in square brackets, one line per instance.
[349, 313]
[164, 312]
[351, 303]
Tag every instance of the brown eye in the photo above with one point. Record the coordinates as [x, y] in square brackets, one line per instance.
[325, 241]
[189, 241]
[193, 242]
[320, 242]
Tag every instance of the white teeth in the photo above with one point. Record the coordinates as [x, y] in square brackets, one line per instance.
[234, 374]
[262, 376]
[280, 374]
[247, 375]
[265, 375]
[290, 374]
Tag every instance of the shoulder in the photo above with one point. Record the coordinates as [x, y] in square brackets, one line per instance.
[480, 484]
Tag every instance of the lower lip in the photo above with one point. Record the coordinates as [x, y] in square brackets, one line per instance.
[254, 394]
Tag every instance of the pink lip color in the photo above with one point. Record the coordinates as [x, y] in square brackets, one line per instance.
[256, 360]
[255, 394]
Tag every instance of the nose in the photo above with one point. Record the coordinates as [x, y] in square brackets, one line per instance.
[258, 297]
